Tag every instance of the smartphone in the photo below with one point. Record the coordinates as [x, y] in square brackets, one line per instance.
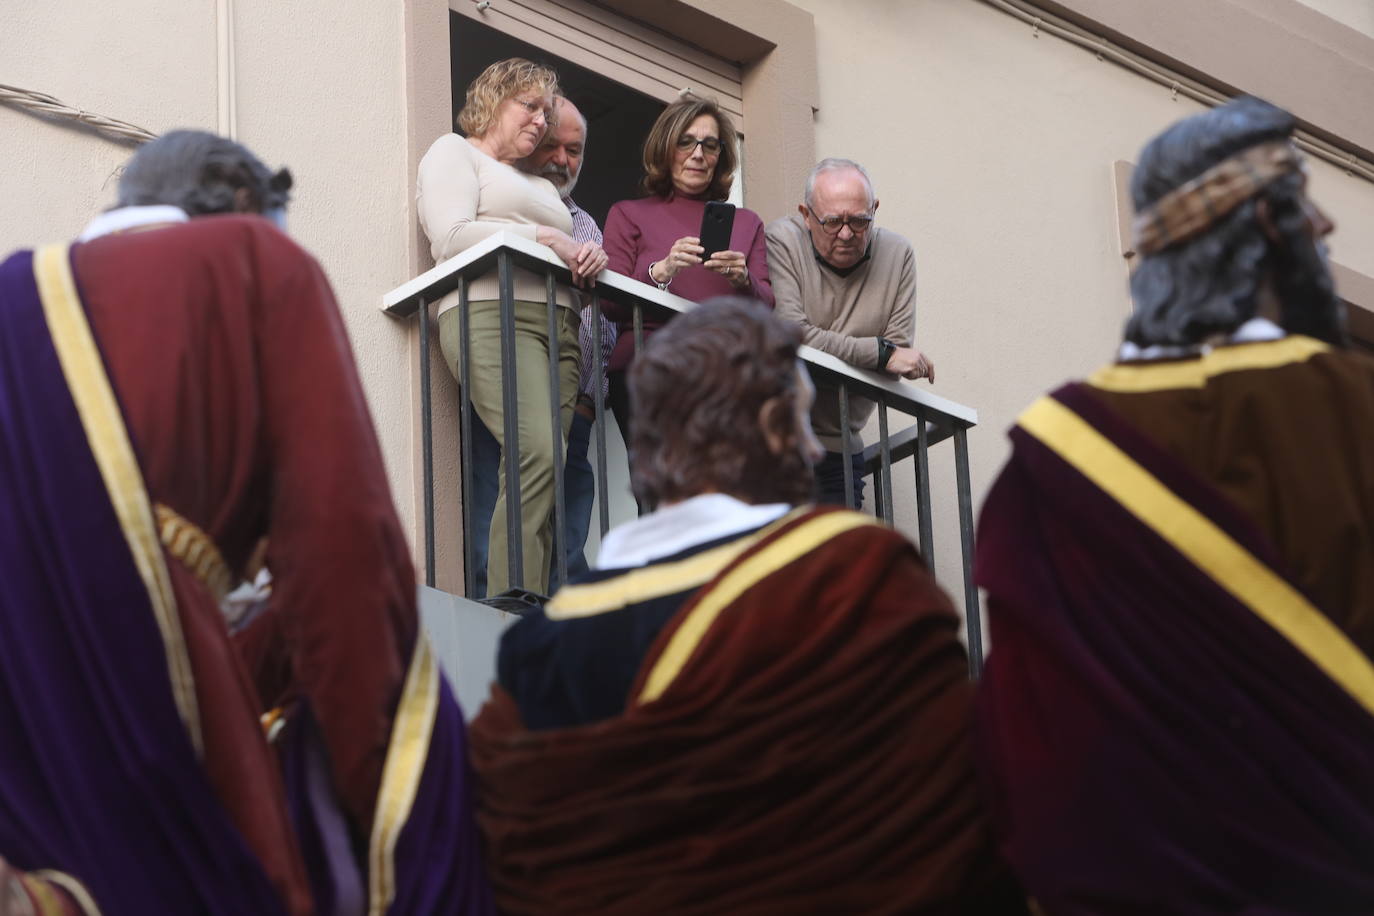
[716, 224]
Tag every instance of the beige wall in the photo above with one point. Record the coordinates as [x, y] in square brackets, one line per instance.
[1358, 14]
[991, 150]
[320, 88]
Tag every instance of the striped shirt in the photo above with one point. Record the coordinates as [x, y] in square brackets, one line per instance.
[586, 230]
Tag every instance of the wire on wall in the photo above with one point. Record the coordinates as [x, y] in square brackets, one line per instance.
[48, 105]
[1177, 84]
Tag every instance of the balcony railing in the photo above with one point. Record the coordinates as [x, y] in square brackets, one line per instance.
[931, 418]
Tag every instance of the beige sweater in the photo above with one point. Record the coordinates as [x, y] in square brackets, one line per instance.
[843, 316]
[464, 196]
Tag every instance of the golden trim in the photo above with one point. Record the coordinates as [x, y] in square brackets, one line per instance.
[1204, 544]
[73, 887]
[787, 549]
[196, 550]
[405, 764]
[645, 583]
[109, 441]
[655, 580]
[1194, 373]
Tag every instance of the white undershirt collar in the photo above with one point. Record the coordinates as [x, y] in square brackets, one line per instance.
[125, 218]
[675, 528]
[1253, 331]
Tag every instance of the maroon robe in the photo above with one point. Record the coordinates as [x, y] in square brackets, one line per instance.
[796, 741]
[238, 389]
[1176, 712]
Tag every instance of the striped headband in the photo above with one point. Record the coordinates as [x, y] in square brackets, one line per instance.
[1194, 207]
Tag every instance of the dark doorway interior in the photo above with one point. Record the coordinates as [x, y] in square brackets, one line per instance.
[618, 118]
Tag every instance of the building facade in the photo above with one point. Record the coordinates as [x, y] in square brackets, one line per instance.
[998, 134]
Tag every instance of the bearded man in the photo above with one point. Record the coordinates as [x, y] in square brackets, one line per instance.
[751, 707]
[1178, 711]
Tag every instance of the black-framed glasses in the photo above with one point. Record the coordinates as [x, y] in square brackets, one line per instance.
[831, 225]
[688, 144]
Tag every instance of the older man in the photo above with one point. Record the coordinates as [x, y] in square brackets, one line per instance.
[175, 389]
[1178, 711]
[851, 287]
[558, 158]
[751, 707]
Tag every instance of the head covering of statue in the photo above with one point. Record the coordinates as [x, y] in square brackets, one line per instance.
[1224, 229]
[722, 405]
[202, 173]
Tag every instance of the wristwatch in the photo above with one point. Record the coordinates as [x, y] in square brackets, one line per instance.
[885, 350]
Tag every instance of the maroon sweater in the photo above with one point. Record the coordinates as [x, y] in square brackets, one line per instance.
[640, 232]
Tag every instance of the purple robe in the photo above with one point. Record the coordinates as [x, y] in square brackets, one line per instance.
[102, 776]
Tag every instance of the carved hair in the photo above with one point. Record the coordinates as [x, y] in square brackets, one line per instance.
[201, 173]
[697, 391]
[1210, 284]
[503, 80]
[661, 145]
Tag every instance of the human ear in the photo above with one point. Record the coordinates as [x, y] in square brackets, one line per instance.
[775, 424]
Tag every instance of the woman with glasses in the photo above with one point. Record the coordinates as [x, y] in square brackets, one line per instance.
[690, 157]
[468, 189]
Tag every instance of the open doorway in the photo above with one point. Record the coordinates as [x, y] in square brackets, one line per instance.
[618, 117]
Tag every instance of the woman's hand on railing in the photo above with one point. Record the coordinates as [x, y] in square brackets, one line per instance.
[731, 265]
[584, 259]
[908, 362]
[685, 252]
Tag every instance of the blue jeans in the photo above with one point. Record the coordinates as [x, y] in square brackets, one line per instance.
[830, 478]
[579, 490]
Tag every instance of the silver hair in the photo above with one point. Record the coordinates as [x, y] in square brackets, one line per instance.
[201, 173]
[833, 164]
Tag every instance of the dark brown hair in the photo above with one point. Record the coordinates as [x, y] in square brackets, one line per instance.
[661, 144]
[697, 391]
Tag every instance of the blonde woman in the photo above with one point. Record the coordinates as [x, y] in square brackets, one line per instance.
[468, 188]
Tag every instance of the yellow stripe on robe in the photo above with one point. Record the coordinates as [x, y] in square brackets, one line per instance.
[1167, 375]
[114, 455]
[1267, 594]
[405, 764]
[653, 581]
[787, 549]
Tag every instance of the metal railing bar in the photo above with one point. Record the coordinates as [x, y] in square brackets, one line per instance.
[427, 442]
[603, 492]
[465, 435]
[924, 523]
[886, 475]
[972, 615]
[510, 403]
[639, 345]
[846, 447]
[480, 258]
[903, 445]
[560, 507]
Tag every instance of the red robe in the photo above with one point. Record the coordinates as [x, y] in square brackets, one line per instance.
[239, 391]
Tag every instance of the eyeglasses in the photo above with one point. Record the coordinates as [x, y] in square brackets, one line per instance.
[831, 225]
[688, 144]
[534, 108]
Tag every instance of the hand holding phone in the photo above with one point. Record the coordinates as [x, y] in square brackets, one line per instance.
[716, 225]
